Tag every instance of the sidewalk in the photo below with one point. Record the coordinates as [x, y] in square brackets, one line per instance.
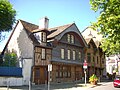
[57, 86]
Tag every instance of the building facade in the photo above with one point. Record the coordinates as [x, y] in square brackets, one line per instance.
[62, 47]
[38, 46]
[67, 53]
[94, 54]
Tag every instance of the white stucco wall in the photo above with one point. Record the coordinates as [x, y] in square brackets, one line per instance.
[23, 46]
[21, 43]
[11, 81]
[27, 64]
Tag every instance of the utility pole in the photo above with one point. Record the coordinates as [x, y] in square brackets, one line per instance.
[49, 77]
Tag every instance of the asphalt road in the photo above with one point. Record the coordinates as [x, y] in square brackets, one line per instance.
[104, 86]
[68, 86]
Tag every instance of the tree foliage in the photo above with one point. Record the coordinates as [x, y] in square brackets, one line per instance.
[7, 16]
[10, 59]
[108, 23]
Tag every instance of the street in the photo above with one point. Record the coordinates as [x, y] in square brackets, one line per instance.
[104, 86]
[67, 86]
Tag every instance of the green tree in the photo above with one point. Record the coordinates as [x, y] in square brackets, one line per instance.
[10, 59]
[108, 23]
[7, 16]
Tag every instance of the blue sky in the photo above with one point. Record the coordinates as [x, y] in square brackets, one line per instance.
[59, 12]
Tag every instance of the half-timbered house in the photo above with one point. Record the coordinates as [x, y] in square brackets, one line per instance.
[37, 46]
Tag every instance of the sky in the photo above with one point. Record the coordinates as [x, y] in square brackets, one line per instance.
[59, 12]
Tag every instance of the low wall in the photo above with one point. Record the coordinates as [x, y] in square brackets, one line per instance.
[11, 81]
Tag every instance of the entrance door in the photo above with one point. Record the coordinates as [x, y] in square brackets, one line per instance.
[41, 75]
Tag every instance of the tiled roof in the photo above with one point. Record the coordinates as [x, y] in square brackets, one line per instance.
[29, 26]
[52, 31]
[57, 30]
[87, 40]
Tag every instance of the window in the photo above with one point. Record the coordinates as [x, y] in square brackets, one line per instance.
[68, 54]
[62, 54]
[63, 71]
[97, 60]
[93, 59]
[68, 38]
[72, 39]
[73, 55]
[79, 55]
[89, 57]
[43, 53]
[89, 46]
[37, 73]
[43, 37]
[102, 60]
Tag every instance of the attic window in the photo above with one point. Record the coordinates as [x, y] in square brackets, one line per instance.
[72, 39]
[68, 38]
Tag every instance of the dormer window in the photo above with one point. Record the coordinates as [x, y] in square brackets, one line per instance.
[43, 37]
[68, 38]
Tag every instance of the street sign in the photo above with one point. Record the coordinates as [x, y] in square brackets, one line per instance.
[49, 67]
[85, 65]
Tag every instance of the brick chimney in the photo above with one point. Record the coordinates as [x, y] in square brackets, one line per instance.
[43, 23]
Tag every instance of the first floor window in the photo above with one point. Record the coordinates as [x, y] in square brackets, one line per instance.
[63, 72]
[68, 54]
[97, 60]
[43, 53]
[73, 55]
[79, 55]
[89, 57]
[62, 54]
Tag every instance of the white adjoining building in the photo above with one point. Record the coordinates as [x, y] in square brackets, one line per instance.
[113, 64]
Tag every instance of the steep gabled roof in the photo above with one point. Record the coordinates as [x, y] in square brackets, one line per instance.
[88, 40]
[57, 30]
[97, 43]
[29, 26]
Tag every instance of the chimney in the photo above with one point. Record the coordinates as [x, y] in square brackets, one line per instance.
[43, 23]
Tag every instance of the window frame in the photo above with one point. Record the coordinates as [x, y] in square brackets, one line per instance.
[43, 54]
[68, 54]
[68, 38]
[72, 39]
[89, 57]
[43, 37]
[62, 53]
[74, 55]
[79, 55]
